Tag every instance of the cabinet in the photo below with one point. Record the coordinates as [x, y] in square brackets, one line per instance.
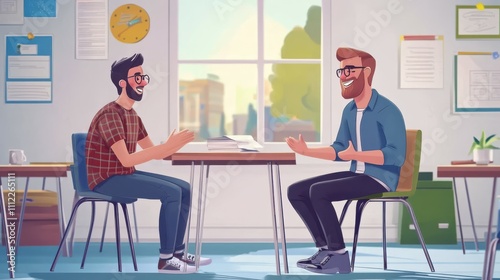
[434, 209]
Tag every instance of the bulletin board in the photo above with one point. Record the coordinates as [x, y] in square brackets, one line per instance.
[28, 69]
[477, 82]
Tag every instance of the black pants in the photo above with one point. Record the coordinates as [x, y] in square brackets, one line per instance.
[312, 199]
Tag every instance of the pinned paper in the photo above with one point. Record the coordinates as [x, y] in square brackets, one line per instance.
[480, 6]
[495, 55]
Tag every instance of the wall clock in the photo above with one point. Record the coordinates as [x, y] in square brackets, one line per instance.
[129, 23]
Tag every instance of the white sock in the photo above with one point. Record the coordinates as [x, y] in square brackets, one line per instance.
[166, 256]
[179, 252]
[341, 251]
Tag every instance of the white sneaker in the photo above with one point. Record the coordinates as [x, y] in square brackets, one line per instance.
[190, 259]
[174, 265]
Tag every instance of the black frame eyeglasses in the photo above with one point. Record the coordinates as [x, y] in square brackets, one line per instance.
[347, 70]
[139, 78]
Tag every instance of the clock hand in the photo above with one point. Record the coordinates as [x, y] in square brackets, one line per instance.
[130, 23]
[134, 21]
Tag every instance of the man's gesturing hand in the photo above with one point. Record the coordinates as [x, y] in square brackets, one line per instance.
[299, 146]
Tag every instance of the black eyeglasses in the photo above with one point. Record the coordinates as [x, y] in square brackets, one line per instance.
[347, 70]
[138, 78]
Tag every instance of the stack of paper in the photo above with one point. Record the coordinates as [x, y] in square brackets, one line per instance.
[233, 142]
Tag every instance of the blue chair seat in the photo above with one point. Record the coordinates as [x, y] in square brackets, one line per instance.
[107, 197]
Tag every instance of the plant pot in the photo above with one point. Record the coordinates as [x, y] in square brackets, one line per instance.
[483, 156]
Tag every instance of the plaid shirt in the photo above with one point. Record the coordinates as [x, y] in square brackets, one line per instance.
[111, 124]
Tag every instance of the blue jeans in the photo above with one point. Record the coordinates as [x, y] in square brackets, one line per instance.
[173, 193]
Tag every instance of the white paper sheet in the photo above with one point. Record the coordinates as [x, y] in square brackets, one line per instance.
[29, 91]
[11, 11]
[421, 63]
[28, 67]
[91, 29]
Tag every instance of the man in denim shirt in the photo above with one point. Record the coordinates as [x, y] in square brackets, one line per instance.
[372, 135]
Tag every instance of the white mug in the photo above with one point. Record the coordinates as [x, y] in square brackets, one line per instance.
[17, 156]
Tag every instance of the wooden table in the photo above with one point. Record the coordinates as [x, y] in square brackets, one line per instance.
[239, 158]
[27, 171]
[473, 171]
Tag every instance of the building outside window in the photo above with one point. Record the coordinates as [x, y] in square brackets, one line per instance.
[253, 67]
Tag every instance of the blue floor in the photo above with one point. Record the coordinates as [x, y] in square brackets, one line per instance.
[246, 261]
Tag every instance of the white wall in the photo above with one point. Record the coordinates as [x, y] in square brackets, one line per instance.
[239, 204]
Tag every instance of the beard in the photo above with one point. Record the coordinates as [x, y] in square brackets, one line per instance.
[132, 94]
[356, 87]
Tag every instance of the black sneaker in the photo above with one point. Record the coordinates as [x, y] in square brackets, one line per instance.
[314, 259]
[190, 259]
[331, 264]
[174, 265]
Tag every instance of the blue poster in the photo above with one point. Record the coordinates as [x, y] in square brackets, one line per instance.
[39, 8]
[28, 69]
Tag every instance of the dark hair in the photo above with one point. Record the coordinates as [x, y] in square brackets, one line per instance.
[119, 69]
[367, 59]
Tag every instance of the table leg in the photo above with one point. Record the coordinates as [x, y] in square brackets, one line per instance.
[188, 227]
[10, 265]
[458, 214]
[471, 216]
[62, 223]
[198, 218]
[21, 216]
[273, 216]
[282, 219]
[203, 203]
[488, 235]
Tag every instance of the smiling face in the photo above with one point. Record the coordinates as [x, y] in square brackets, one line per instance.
[134, 89]
[353, 84]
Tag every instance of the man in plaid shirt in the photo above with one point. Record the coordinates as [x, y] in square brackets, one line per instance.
[111, 155]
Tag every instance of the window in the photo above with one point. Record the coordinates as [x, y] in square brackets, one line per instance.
[257, 67]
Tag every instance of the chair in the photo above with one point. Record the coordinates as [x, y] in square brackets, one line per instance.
[406, 187]
[489, 266]
[80, 184]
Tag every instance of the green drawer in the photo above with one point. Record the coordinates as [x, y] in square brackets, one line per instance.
[434, 209]
[425, 176]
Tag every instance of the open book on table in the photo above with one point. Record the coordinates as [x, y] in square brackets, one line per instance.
[233, 142]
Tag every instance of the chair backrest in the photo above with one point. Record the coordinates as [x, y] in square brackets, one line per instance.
[79, 168]
[408, 177]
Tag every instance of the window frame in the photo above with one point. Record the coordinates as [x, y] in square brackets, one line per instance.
[326, 76]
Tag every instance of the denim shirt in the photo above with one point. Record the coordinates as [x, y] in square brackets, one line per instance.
[382, 128]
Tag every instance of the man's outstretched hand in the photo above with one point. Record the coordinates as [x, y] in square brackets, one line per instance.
[299, 146]
[177, 140]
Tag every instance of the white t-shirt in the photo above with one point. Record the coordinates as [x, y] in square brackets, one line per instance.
[360, 166]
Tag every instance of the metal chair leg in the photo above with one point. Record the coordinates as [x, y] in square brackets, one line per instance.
[63, 239]
[491, 258]
[72, 234]
[135, 224]
[417, 228]
[92, 217]
[359, 211]
[117, 231]
[344, 211]
[104, 226]
[384, 235]
[129, 232]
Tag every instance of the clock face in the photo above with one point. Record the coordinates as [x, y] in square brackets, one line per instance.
[129, 23]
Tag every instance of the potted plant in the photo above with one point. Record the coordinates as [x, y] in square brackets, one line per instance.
[482, 149]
